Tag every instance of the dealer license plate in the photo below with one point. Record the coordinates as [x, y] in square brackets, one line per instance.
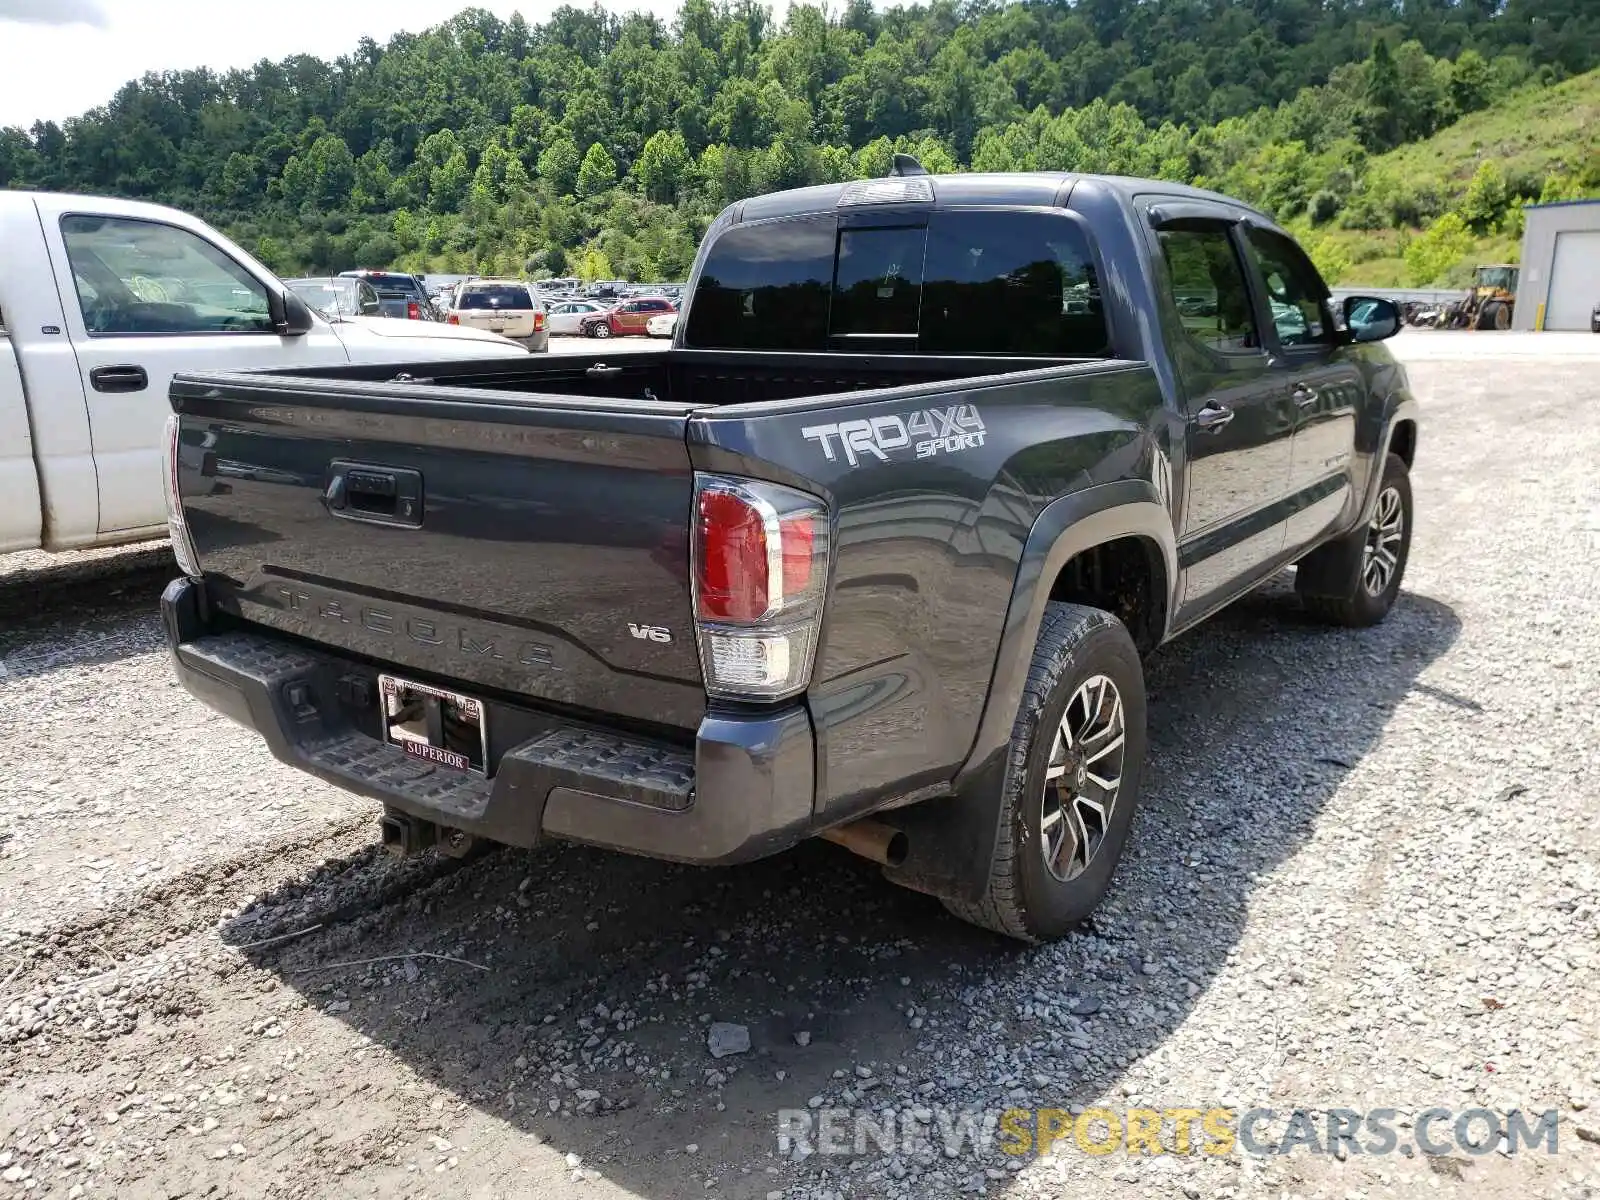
[435, 725]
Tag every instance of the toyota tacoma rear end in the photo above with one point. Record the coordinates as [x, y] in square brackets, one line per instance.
[871, 552]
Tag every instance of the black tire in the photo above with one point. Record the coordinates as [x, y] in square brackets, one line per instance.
[600, 329]
[1334, 581]
[1026, 899]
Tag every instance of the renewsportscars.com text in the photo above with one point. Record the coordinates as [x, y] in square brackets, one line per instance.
[1149, 1131]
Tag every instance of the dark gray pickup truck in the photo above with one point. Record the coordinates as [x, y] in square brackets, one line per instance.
[872, 552]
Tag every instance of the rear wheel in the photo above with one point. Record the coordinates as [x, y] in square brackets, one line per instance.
[1355, 580]
[600, 329]
[1072, 783]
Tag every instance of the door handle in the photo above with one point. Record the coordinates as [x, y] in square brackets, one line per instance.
[1213, 416]
[1304, 395]
[124, 378]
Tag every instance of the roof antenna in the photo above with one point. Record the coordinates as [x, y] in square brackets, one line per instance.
[906, 164]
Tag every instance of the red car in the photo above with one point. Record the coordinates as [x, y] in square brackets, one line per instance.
[627, 318]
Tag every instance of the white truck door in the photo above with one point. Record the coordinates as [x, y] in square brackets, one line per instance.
[146, 297]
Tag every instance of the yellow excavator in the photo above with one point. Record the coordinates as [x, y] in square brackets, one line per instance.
[1493, 298]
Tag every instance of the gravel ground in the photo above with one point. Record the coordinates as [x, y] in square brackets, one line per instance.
[1365, 876]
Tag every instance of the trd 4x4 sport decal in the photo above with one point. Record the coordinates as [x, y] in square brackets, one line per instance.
[929, 431]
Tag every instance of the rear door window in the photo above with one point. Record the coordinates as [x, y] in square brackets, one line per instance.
[1208, 287]
[765, 287]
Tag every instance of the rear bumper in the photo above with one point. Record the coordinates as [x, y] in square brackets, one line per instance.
[743, 791]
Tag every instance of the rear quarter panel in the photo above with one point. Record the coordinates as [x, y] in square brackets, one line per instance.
[930, 528]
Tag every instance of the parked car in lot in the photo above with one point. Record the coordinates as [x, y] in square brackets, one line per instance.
[400, 294]
[1594, 318]
[508, 307]
[662, 325]
[100, 302]
[627, 319]
[336, 296]
[872, 552]
[567, 316]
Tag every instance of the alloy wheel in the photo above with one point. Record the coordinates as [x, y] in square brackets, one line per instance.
[1381, 555]
[1082, 778]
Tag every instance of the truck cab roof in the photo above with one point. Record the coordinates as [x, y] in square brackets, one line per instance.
[1003, 189]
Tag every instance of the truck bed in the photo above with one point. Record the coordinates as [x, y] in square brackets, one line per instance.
[703, 378]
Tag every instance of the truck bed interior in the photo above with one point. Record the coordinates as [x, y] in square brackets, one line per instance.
[697, 377]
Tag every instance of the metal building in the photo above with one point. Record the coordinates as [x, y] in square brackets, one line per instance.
[1560, 282]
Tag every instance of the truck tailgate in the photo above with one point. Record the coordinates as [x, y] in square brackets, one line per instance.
[533, 545]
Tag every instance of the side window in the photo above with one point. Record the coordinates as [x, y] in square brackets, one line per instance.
[765, 287]
[145, 277]
[1208, 287]
[367, 299]
[1010, 283]
[1294, 290]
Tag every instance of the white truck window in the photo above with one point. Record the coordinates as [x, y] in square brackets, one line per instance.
[144, 277]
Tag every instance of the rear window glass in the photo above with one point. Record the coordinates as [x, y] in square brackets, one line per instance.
[496, 297]
[877, 288]
[765, 287]
[1020, 283]
[995, 281]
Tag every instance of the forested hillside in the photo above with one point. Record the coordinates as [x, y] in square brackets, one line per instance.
[603, 145]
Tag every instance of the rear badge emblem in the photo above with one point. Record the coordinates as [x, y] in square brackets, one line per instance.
[650, 633]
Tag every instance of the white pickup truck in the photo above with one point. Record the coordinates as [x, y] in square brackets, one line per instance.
[101, 301]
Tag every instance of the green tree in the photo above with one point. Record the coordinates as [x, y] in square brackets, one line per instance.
[558, 166]
[593, 264]
[1486, 197]
[1433, 252]
[597, 173]
[662, 165]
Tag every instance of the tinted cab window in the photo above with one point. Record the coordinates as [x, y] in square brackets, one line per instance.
[961, 282]
[1295, 292]
[1208, 287]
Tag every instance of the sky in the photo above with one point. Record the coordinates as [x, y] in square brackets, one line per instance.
[61, 57]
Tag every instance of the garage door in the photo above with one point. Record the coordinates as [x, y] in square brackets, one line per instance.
[1574, 280]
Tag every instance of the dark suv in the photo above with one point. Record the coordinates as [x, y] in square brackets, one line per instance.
[399, 294]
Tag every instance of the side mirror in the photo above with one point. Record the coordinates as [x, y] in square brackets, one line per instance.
[291, 316]
[1371, 318]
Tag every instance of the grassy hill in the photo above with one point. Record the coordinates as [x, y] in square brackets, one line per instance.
[1531, 135]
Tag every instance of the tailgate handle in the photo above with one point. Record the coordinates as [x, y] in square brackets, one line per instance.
[378, 494]
[602, 369]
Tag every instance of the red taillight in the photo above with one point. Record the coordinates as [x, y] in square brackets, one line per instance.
[413, 312]
[734, 565]
[760, 565]
[538, 322]
[452, 319]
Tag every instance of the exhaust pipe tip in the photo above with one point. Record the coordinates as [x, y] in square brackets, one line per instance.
[872, 840]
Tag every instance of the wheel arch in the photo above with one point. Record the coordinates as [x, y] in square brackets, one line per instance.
[952, 839]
